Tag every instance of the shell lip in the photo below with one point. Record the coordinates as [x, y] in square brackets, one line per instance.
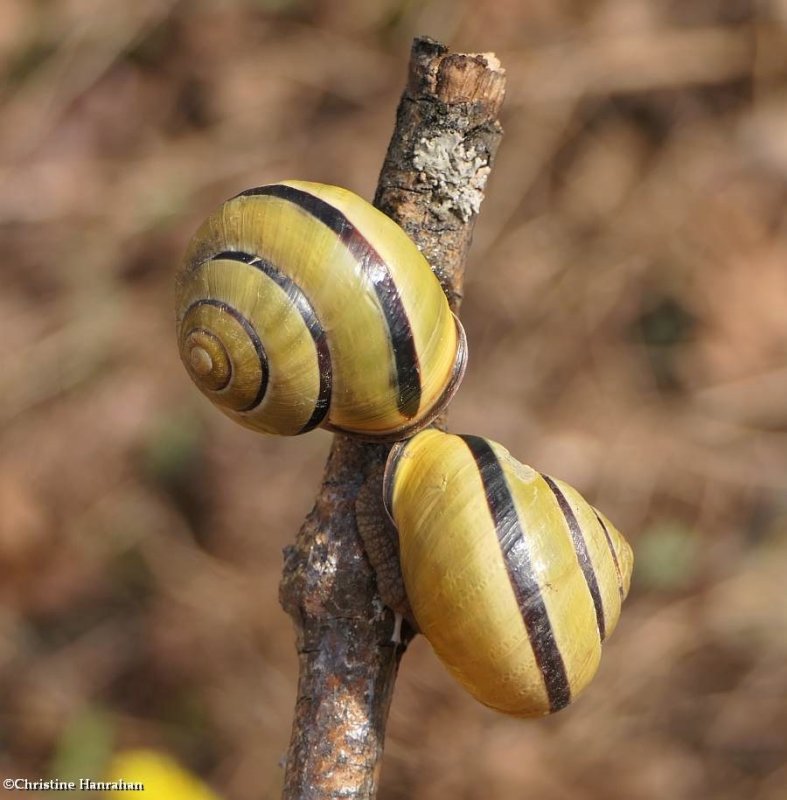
[411, 428]
[394, 456]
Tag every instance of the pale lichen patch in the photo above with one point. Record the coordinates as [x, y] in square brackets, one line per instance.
[456, 173]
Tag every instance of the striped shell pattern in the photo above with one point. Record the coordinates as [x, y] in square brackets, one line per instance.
[512, 576]
[300, 305]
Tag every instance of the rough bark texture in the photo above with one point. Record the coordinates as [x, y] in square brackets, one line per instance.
[432, 184]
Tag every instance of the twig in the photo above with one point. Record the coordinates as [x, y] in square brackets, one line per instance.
[432, 184]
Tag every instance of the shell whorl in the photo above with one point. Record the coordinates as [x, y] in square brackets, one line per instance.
[301, 305]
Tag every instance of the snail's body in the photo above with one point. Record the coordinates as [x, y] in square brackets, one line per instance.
[301, 305]
[513, 578]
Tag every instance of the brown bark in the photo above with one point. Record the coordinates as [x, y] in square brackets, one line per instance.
[432, 184]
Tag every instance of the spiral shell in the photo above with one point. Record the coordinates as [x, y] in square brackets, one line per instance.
[512, 576]
[300, 305]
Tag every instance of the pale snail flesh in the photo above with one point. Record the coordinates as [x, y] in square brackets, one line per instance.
[511, 575]
[301, 305]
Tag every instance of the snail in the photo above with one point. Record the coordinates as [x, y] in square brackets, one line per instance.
[301, 305]
[511, 575]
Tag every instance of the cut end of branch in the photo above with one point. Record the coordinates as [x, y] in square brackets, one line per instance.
[456, 77]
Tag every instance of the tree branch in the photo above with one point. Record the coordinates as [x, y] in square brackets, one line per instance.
[432, 184]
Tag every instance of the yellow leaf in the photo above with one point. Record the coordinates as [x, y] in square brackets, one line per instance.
[162, 776]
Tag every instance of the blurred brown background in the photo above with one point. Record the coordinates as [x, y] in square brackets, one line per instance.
[626, 307]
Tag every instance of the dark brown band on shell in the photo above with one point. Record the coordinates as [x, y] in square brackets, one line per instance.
[253, 337]
[517, 560]
[583, 556]
[405, 356]
[304, 307]
[411, 428]
[614, 555]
